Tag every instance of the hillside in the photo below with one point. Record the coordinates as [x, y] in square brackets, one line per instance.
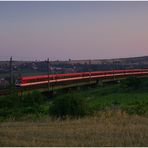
[129, 60]
[129, 95]
[118, 117]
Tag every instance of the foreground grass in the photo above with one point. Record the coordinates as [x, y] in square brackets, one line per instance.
[110, 128]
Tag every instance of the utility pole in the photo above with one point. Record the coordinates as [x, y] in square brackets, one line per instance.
[113, 69]
[89, 72]
[11, 72]
[48, 73]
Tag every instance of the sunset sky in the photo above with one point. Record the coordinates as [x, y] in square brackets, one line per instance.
[75, 30]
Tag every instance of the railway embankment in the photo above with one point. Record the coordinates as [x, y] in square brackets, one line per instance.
[129, 95]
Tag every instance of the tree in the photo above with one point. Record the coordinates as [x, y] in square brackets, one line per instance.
[69, 105]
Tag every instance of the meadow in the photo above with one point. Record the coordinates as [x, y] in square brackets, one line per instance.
[106, 129]
[117, 116]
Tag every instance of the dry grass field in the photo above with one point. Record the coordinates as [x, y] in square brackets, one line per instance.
[108, 128]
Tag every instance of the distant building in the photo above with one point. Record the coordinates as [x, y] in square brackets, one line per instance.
[3, 82]
[69, 70]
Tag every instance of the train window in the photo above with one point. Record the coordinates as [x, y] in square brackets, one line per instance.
[18, 81]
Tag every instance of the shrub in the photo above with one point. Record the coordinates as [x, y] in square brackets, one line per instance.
[16, 106]
[135, 108]
[70, 105]
[131, 82]
[32, 99]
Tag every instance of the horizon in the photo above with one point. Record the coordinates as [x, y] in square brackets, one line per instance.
[38, 60]
[73, 30]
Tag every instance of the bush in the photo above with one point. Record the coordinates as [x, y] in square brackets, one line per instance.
[33, 99]
[15, 106]
[135, 108]
[131, 82]
[70, 105]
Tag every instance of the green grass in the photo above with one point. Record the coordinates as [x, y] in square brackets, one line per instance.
[100, 98]
[34, 104]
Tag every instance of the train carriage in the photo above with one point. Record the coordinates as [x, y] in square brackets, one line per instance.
[71, 77]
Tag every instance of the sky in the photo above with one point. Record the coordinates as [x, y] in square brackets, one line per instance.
[73, 30]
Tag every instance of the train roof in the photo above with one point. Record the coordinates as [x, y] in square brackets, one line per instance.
[46, 76]
[74, 74]
[34, 77]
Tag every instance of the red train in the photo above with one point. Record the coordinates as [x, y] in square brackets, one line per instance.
[38, 80]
